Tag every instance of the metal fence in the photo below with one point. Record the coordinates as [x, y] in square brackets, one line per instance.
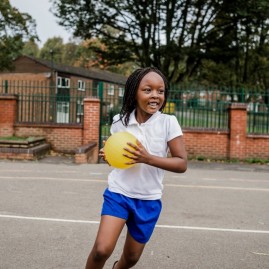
[194, 106]
[206, 107]
[41, 103]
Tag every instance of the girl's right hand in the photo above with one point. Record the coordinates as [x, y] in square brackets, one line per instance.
[102, 153]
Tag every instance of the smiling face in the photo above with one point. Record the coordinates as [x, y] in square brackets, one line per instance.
[150, 96]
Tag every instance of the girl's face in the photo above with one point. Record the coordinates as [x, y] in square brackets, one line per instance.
[149, 96]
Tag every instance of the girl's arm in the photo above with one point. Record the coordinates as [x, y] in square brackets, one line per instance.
[176, 163]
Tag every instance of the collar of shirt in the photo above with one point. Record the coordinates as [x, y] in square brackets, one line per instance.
[134, 121]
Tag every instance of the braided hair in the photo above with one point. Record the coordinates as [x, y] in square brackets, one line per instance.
[131, 87]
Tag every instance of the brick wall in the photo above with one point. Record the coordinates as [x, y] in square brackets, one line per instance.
[8, 110]
[62, 139]
[257, 147]
[91, 120]
[238, 127]
[207, 144]
[235, 144]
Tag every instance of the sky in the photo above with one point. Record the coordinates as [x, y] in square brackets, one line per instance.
[46, 22]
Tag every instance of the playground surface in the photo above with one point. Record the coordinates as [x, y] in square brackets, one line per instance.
[215, 216]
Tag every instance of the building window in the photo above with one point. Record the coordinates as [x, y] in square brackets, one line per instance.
[121, 91]
[63, 82]
[110, 90]
[81, 85]
[80, 111]
[62, 112]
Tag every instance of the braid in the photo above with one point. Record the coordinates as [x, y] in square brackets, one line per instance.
[131, 86]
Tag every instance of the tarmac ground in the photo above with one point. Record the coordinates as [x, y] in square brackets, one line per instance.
[215, 216]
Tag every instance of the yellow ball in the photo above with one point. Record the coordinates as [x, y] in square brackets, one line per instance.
[114, 149]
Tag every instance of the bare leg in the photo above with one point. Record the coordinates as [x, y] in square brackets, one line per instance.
[132, 251]
[109, 231]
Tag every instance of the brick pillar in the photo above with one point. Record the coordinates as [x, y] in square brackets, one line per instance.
[238, 129]
[91, 120]
[8, 110]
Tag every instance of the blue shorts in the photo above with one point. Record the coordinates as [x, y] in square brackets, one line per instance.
[140, 215]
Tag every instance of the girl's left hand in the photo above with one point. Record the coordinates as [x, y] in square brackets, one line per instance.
[136, 153]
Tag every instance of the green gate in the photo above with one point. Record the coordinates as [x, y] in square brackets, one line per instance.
[110, 105]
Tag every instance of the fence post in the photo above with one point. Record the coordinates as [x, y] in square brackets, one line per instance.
[100, 94]
[8, 110]
[238, 129]
[91, 122]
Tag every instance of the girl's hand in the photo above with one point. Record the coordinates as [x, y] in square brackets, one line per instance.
[136, 153]
[102, 153]
[176, 163]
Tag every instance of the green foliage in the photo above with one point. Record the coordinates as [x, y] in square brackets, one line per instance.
[257, 161]
[52, 50]
[15, 27]
[13, 138]
[182, 38]
[30, 48]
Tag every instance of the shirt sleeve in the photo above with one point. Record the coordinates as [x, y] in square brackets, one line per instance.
[116, 125]
[174, 128]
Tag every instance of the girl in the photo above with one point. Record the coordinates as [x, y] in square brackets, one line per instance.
[133, 196]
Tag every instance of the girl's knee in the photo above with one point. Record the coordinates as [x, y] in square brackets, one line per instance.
[101, 253]
[132, 258]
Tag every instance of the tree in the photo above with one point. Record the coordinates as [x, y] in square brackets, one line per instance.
[53, 50]
[30, 48]
[15, 27]
[167, 34]
[181, 37]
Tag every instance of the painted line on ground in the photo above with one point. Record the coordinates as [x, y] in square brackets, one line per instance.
[49, 219]
[165, 184]
[213, 229]
[237, 179]
[216, 187]
[158, 226]
[55, 179]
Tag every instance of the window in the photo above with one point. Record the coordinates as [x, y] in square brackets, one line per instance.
[81, 85]
[80, 111]
[62, 112]
[121, 92]
[63, 82]
[95, 88]
[110, 90]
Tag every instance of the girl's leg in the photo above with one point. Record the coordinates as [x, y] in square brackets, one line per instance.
[132, 251]
[109, 231]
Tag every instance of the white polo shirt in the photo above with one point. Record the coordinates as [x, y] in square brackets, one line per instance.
[143, 181]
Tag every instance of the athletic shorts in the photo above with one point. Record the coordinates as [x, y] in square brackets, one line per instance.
[140, 215]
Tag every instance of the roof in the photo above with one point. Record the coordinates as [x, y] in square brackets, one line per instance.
[92, 73]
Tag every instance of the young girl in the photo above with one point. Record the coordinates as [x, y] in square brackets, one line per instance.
[133, 196]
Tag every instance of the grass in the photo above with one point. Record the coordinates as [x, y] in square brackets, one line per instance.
[17, 138]
[13, 138]
[231, 161]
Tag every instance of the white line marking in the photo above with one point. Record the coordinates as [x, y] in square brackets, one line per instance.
[49, 219]
[262, 254]
[54, 178]
[38, 171]
[213, 229]
[158, 226]
[209, 179]
[216, 187]
[225, 179]
[165, 184]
